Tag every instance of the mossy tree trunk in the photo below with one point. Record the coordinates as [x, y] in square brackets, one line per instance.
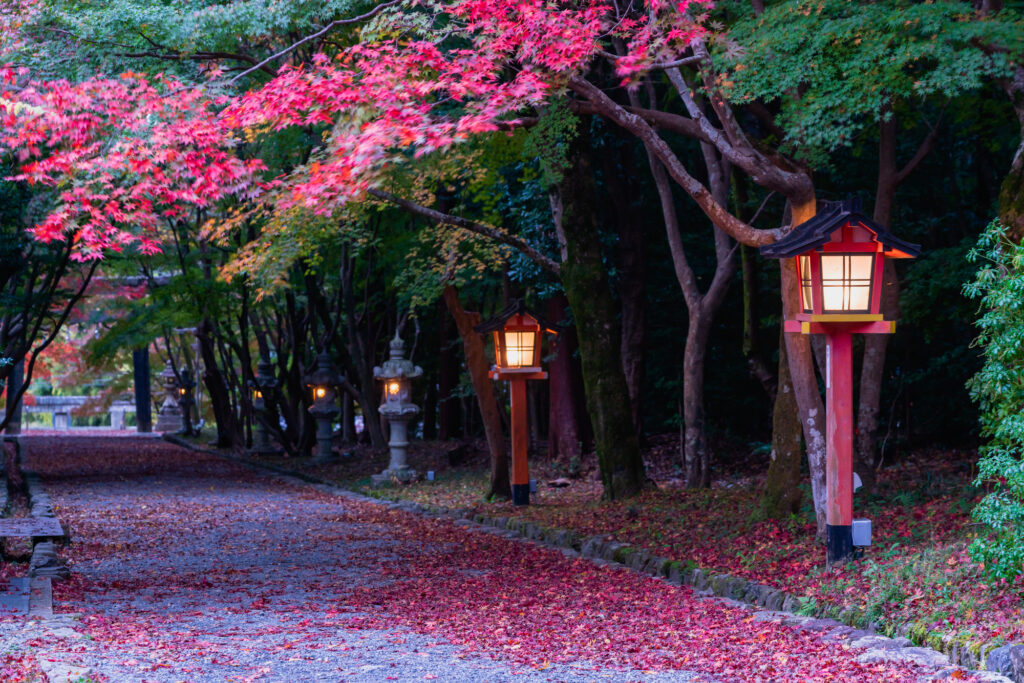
[782, 495]
[585, 281]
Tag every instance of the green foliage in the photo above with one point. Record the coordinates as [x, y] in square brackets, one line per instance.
[549, 141]
[836, 66]
[998, 389]
[114, 35]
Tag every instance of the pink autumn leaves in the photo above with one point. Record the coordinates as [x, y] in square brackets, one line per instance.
[129, 155]
[125, 155]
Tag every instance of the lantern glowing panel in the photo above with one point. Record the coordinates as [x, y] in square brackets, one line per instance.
[846, 282]
[393, 388]
[806, 287]
[319, 392]
[519, 349]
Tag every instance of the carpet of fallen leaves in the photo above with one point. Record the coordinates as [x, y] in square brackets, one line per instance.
[520, 603]
[916, 571]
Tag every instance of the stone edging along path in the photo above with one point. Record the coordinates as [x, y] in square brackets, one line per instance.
[1001, 662]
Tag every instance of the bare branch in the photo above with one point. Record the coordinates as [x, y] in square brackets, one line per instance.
[922, 151]
[472, 226]
[313, 36]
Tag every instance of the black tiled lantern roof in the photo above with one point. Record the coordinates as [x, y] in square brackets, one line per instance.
[812, 234]
[517, 307]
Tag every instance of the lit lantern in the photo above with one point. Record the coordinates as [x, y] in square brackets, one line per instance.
[186, 400]
[517, 358]
[321, 383]
[840, 256]
[263, 386]
[516, 341]
[396, 375]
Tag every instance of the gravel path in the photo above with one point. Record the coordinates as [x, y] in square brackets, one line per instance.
[186, 567]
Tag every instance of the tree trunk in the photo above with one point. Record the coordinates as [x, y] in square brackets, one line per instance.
[476, 362]
[449, 409]
[586, 285]
[756, 363]
[228, 431]
[632, 289]
[805, 382]
[782, 495]
[872, 374]
[14, 403]
[1011, 192]
[565, 431]
[696, 456]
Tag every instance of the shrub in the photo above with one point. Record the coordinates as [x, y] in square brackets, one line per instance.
[998, 389]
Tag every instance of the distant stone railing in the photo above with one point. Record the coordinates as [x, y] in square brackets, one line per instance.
[61, 407]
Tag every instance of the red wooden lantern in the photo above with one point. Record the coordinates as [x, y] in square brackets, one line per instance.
[840, 255]
[517, 344]
[517, 336]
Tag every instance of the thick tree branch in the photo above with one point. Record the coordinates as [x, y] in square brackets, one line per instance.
[635, 124]
[738, 150]
[472, 226]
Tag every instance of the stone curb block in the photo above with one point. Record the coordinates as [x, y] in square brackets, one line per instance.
[44, 561]
[1006, 661]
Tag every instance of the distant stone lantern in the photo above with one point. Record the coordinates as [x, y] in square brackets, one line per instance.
[169, 416]
[263, 384]
[396, 375]
[840, 255]
[517, 345]
[322, 382]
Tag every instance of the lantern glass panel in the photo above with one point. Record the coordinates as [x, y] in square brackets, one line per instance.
[846, 282]
[519, 349]
[319, 392]
[806, 299]
[393, 388]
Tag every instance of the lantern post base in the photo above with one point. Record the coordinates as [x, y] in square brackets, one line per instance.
[840, 544]
[520, 494]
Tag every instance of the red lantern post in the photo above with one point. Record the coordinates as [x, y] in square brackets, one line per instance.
[839, 259]
[517, 347]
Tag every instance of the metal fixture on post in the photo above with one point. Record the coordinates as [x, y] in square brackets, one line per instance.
[396, 374]
[169, 417]
[517, 337]
[322, 382]
[840, 254]
[263, 386]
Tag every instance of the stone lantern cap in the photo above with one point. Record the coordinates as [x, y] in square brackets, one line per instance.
[397, 367]
[168, 375]
[324, 375]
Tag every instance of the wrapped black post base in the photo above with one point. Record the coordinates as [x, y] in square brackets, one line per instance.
[520, 494]
[840, 543]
